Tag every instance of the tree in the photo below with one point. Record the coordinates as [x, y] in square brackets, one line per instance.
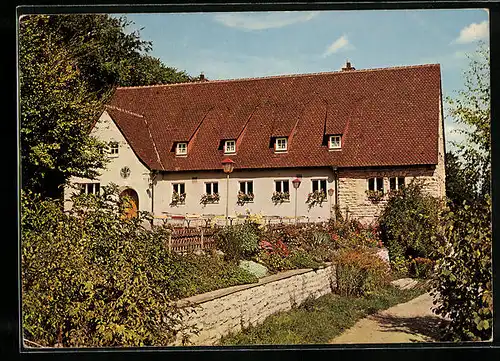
[462, 286]
[57, 107]
[69, 67]
[457, 183]
[471, 109]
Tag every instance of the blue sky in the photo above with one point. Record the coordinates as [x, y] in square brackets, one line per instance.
[240, 45]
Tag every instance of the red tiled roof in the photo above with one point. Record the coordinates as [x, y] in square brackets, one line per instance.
[387, 117]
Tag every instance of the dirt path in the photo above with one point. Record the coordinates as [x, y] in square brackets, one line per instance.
[412, 321]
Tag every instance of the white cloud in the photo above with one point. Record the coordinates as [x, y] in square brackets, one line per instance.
[260, 21]
[337, 45]
[473, 32]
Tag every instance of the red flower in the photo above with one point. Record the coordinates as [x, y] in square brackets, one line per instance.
[266, 245]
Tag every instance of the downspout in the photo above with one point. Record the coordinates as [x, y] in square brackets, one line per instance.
[336, 181]
[154, 174]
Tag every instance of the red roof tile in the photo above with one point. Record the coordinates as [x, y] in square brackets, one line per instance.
[387, 117]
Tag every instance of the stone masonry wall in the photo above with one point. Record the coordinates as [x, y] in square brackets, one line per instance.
[354, 183]
[229, 310]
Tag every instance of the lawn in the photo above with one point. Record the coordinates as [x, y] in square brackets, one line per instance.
[318, 321]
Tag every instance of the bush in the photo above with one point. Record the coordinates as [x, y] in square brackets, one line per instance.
[462, 286]
[352, 234]
[240, 241]
[409, 223]
[91, 278]
[195, 274]
[360, 272]
[421, 267]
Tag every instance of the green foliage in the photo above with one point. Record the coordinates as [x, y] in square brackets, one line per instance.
[458, 187]
[409, 222]
[471, 111]
[57, 107]
[301, 259]
[463, 286]
[69, 65]
[352, 234]
[240, 241]
[360, 272]
[319, 321]
[193, 274]
[421, 267]
[91, 278]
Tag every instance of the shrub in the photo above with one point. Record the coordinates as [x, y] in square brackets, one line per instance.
[409, 222]
[462, 286]
[421, 267]
[360, 272]
[302, 259]
[238, 242]
[91, 278]
[195, 274]
[352, 234]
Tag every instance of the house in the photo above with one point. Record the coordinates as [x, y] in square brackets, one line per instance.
[344, 135]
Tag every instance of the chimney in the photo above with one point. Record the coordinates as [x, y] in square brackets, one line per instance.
[348, 66]
[202, 77]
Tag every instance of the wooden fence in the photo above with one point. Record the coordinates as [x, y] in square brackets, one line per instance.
[191, 239]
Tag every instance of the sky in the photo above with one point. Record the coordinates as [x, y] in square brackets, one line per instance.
[254, 44]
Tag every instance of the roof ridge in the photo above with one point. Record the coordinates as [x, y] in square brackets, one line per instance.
[123, 110]
[282, 76]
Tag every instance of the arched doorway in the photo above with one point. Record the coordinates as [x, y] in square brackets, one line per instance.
[130, 202]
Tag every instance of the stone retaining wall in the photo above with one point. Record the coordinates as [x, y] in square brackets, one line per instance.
[229, 310]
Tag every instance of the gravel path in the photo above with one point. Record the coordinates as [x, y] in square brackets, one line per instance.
[412, 321]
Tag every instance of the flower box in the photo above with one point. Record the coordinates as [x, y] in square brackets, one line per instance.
[178, 198]
[280, 197]
[375, 196]
[316, 197]
[210, 198]
[244, 198]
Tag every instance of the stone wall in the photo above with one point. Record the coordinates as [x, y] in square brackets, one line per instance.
[229, 310]
[354, 183]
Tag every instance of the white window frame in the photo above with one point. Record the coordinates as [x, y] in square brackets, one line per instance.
[211, 187]
[282, 181]
[113, 149]
[319, 184]
[397, 183]
[90, 188]
[228, 149]
[181, 150]
[330, 142]
[375, 183]
[277, 148]
[246, 186]
[178, 184]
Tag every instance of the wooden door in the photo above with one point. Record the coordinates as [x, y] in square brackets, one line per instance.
[130, 202]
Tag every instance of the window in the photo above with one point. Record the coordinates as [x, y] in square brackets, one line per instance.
[211, 188]
[281, 144]
[230, 146]
[89, 188]
[113, 148]
[335, 142]
[282, 186]
[181, 149]
[179, 188]
[376, 184]
[246, 187]
[319, 185]
[396, 183]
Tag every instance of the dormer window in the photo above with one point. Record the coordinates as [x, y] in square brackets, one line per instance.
[335, 142]
[181, 149]
[281, 145]
[230, 146]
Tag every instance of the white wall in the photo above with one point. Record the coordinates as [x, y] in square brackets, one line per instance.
[106, 130]
[263, 187]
